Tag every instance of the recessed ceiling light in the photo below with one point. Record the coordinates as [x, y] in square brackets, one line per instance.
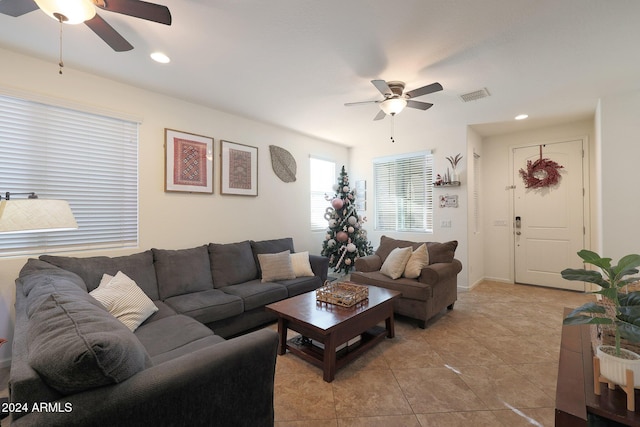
[160, 57]
[521, 116]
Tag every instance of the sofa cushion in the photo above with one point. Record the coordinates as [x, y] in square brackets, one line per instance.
[276, 266]
[76, 346]
[39, 279]
[124, 300]
[232, 263]
[410, 288]
[182, 271]
[137, 266]
[170, 333]
[207, 306]
[419, 259]
[387, 244]
[271, 247]
[442, 252]
[301, 265]
[256, 294]
[393, 266]
[300, 285]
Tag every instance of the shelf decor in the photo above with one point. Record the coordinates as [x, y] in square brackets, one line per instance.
[239, 169]
[188, 162]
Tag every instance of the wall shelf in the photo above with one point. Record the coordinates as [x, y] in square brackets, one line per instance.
[448, 184]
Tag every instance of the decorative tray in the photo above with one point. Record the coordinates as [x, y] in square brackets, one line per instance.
[345, 294]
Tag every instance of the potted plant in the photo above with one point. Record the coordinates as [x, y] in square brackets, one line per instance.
[454, 164]
[618, 309]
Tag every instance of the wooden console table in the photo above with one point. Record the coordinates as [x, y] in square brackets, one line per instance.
[576, 403]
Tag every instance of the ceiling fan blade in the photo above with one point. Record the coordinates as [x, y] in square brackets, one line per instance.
[424, 90]
[17, 7]
[419, 105]
[139, 9]
[383, 87]
[350, 104]
[108, 34]
[381, 114]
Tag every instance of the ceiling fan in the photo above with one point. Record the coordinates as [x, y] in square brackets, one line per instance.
[395, 99]
[78, 11]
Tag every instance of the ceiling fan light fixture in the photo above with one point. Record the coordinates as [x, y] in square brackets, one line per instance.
[393, 106]
[68, 11]
[160, 57]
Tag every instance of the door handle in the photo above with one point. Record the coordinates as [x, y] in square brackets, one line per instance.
[518, 233]
[518, 222]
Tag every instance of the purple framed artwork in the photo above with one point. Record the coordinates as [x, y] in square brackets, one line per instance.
[188, 162]
[239, 169]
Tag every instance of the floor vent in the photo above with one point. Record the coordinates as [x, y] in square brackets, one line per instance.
[473, 96]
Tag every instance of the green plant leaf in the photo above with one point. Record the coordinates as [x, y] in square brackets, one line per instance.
[609, 293]
[630, 299]
[629, 331]
[626, 266]
[582, 275]
[586, 320]
[591, 257]
[590, 307]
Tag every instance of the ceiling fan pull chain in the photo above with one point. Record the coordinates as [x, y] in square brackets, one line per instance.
[60, 64]
[392, 128]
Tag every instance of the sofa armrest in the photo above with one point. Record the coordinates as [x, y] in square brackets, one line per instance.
[435, 273]
[228, 384]
[319, 266]
[368, 263]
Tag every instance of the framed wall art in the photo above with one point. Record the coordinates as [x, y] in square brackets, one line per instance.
[239, 169]
[188, 162]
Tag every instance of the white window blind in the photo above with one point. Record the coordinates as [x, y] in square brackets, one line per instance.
[322, 178]
[89, 160]
[403, 188]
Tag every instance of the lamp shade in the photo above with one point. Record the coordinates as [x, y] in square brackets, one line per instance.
[73, 11]
[35, 215]
[393, 105]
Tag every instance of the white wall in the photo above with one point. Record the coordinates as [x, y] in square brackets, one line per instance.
[619, 128]
[177, 220]
[476, 235]
[497, 176]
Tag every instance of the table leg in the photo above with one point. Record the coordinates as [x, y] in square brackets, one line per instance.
[390, 323]
[329, 358]
[282, 332]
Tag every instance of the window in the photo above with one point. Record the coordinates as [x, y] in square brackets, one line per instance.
[403, 188]
[322, 178]
[89, 160]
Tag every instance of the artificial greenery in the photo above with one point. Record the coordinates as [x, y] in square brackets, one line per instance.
[625, 318]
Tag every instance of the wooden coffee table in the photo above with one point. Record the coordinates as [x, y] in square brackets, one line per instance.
[333, 325]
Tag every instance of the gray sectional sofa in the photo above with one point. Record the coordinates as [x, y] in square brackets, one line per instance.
[194, 362]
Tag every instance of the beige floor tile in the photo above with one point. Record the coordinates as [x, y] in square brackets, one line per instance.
[302, 397]
[459, 419]
[459, 351]
[543, 375]
[308, 423]
[538, 417]
[368, 393]
[501, 386]
[402, 353]
[437, 390]
[383, 421]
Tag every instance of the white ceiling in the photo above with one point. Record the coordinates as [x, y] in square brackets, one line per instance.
[294, 63]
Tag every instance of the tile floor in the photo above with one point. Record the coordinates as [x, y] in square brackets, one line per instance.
[492, 361]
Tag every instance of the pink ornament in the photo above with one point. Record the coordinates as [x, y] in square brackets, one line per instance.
[341, 236]
[337, 203]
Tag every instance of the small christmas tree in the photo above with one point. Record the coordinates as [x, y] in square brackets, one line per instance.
[345, 240]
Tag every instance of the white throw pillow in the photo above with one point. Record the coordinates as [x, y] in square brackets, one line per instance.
[394, 265]
[124, 299]
[419, 259]
[276, 266]
[301, 265]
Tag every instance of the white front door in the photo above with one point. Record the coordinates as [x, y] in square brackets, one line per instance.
[549, 222]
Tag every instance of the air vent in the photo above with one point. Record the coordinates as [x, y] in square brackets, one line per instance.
[474, 96]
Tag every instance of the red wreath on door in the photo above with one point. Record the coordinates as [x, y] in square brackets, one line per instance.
[541, 173]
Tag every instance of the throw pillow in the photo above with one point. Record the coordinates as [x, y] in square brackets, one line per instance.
[124, 300]
[395, 263]
[276, 266]
[301, 265]
[76, 346]
[419, 259]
